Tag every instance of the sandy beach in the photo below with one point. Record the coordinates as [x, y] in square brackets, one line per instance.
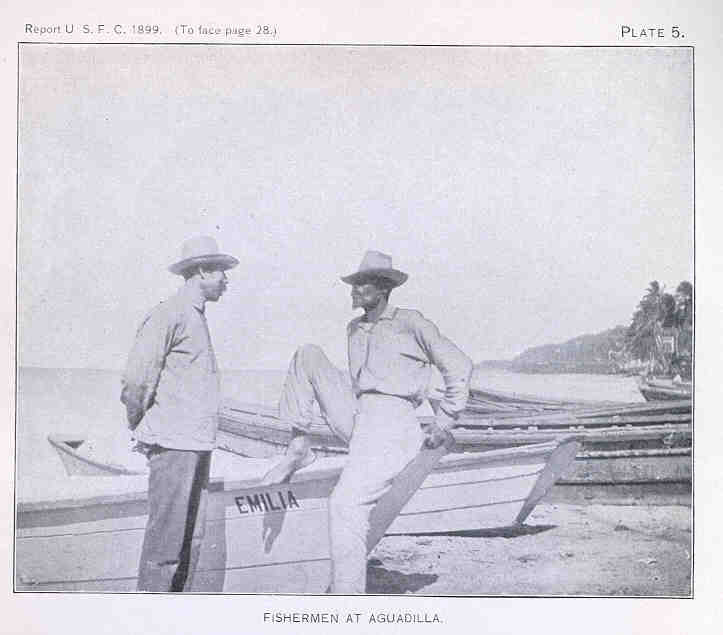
[589, 550]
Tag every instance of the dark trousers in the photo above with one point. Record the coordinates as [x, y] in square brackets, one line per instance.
[177, 501]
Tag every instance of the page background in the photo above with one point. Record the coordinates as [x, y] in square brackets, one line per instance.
[409, 23]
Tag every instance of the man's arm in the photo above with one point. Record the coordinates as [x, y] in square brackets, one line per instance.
[453, 364]
[146, 360]
[456, 370]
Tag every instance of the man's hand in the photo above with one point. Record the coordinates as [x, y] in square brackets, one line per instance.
[438, 433]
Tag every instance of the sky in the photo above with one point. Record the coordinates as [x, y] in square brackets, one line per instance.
[531, 194]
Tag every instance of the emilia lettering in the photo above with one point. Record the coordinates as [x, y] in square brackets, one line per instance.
[266, 502]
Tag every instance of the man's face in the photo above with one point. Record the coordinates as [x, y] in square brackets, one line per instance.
[366, 295]
[213, 284]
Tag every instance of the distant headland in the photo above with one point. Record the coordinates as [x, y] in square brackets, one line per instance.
[658, 339]
[583, 354]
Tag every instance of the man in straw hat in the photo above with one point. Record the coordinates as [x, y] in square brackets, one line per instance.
[391, 355]
[171, 393]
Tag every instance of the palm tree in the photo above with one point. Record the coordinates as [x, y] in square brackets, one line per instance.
[684, 301]
[640, 341]
[684, 320]
[659, 315]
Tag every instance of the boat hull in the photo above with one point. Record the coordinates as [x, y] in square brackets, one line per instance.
[87, 535]
[664, 390]
[661, 476]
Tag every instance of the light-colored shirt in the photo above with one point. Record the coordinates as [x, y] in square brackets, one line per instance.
[171, 386]
[396, 355]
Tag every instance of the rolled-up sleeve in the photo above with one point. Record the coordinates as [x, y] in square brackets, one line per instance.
[154, 340]
[453, 364]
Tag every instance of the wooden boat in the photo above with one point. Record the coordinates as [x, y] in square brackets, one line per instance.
[255, 431]
[490, 403]
[656, 475]
[638, 454]
[641, 452]
[500, 404]
[660, 409]
[79, 462]
[84, 533]
[657, 389]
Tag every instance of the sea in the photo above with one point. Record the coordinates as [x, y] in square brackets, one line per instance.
[86, 403]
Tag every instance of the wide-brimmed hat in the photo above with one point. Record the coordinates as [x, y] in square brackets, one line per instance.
[376, 265]
[202, 250]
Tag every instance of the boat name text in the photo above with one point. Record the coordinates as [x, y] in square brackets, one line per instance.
[264, 502]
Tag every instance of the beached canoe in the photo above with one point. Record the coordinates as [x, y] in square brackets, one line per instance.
[84, 533]
[652, 409]
[638, 453]
[256, 431]
[499, 403]
[655, 389]
[649, 476]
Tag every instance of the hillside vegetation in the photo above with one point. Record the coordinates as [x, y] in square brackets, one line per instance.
[623, 348]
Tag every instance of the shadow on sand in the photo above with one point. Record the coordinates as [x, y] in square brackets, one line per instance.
[501, 532]
[381, 580]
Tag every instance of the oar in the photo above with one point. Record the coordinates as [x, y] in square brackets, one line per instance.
[403, 487]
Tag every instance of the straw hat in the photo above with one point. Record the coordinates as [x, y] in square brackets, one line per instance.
[376, 265]
[202, 250]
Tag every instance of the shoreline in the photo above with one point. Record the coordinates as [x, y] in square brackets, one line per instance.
[555, 368]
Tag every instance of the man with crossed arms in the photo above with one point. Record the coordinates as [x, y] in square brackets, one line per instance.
[391, 354]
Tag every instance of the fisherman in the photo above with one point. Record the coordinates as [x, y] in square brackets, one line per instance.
[171, 392]
[391, 355]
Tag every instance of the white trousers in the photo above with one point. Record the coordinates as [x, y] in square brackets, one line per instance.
[385, 438]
